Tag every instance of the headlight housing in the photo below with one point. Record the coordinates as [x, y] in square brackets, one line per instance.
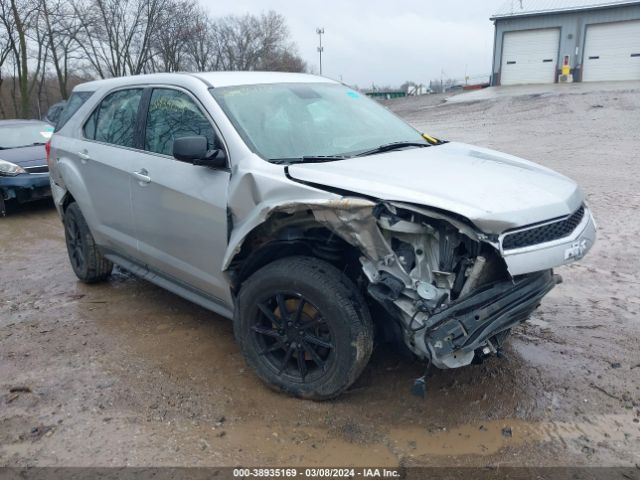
[8, 169]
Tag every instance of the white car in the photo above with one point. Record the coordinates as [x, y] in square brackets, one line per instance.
[312, 216]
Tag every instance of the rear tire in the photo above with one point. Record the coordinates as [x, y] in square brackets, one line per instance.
[89, 265]
[323, 342]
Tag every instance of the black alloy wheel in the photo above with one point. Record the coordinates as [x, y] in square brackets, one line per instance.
[303, 327]
[296, 340]
[87, 262]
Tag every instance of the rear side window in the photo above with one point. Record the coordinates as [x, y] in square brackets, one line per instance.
[114, 120]
[173, 114]
[76, 100]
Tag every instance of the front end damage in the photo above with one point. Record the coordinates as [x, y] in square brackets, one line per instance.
[445, 284]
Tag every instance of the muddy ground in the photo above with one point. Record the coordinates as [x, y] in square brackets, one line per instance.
[124, 373]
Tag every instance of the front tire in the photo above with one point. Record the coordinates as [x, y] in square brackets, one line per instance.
[89, 265]
[321, 343]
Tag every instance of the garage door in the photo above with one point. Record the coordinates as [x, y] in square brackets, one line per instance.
[612, 52]
[530, 56]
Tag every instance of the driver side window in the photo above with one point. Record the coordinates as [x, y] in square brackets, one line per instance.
[173, 114]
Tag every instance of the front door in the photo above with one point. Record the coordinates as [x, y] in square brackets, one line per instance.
[179, 208]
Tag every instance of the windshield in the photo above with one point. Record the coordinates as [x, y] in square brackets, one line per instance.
[15, 136]
[297, 120]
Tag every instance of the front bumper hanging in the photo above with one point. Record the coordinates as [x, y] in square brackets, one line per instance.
[455, 332]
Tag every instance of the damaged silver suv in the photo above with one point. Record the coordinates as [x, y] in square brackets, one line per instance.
[312, 216]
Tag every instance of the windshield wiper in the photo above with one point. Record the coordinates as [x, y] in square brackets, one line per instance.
[308, 159]
[387, 147]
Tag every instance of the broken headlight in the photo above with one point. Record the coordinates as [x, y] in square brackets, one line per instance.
[8, 169]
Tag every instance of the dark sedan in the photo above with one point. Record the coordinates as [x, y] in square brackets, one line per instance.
[24, 173]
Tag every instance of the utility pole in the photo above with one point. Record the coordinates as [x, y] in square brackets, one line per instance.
[320, 32]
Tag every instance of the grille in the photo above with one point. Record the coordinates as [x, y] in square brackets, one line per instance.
[40, 169]
[544, 233]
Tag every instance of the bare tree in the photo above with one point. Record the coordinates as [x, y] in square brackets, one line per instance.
[284, 61]
[20, 18]
[16, 18]
[253, 42]
[38, 56]
[201, 45]
[172, 36]
[47, 46]
[247, 42]
[116, 34]
[6, 44]
[61, 30]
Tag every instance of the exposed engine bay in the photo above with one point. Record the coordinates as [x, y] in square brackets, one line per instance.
[444, 283]
[450, 289]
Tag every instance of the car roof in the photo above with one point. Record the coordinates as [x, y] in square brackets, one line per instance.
[18, 121]
[213, 79]
[228, 79]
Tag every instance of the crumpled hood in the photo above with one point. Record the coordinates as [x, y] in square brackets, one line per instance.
[32, 156]
[494, 190]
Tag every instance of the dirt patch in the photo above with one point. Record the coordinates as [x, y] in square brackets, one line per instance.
[124, 373]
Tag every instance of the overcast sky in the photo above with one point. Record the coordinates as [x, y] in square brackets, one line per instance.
[386, 42]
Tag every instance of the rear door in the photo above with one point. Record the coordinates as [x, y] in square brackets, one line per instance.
[103, 159]
[530, 56]
[179, 208]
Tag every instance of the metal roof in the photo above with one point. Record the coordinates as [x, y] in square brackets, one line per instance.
[517, 8]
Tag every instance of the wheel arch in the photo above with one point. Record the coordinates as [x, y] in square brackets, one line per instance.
[284, 235]
[67, 200]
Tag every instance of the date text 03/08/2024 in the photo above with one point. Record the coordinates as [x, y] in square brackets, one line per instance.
[317, 472]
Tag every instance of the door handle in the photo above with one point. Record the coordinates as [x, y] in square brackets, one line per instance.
[142, 176]
[84, 156]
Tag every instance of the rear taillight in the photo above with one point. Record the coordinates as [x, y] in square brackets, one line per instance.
[47, 149]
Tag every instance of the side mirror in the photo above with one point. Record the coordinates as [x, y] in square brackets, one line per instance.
[194, 150]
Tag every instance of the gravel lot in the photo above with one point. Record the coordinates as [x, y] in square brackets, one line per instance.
[124, 373]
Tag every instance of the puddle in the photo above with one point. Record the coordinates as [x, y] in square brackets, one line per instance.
[491, 437]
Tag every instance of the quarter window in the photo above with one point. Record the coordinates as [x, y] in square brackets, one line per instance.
[172, 114]
[114, 121]
[76, 100]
